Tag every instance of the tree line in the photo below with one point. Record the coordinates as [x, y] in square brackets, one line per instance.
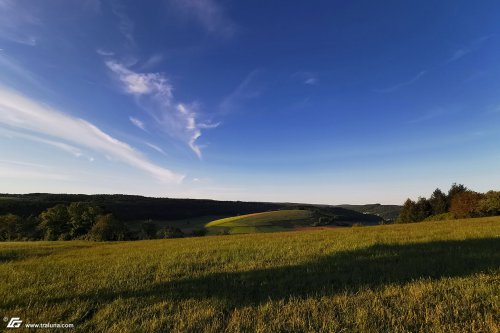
[459, 202]
[80, 220]
[132, 207]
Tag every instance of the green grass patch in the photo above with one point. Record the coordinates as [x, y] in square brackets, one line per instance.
[420, 277]
[279, 220]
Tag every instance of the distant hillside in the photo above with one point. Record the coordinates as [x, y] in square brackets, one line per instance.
[135, 208]
[387, 212]
[132, 207]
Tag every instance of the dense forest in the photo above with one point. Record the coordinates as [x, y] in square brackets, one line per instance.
[459, 202]
[388, 212]
[41, 216]
[131, 207]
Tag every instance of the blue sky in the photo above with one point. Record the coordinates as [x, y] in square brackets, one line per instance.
[324, 102]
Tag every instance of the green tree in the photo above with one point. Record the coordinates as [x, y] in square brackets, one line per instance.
[170, 232]
[455, 190]
[149, 229]
[408, 212]
[107, 228]
[82, 216]
[423, 209]
[10, 227]
[55, 223]
[438, 202]
[29, 228]
[490, 203]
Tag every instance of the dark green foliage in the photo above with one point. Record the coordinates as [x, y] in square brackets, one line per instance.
[423, 209]
[137, 208]
[133, 207]
[107, 228]
[198, 232]
[149, 229]
[324, 220]
[55, 223]
[339, 214]
[438, 202]
[170, 232]
[13, 228]
[10, 227]
[455, 189]
[408, 212]
[389, 213]
[490, 203]
[82, 217]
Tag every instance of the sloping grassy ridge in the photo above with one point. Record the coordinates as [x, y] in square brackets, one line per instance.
[279, 220]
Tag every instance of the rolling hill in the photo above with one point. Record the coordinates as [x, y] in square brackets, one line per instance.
[279, 220]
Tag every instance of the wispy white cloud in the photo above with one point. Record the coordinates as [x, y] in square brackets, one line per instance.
[14, 169]
[125, 24]
[141, 83]
[22, 113]
[17, 24]
[16, 69]
[26, 164]
[246, 90]
[155, 147]
[311, 81]
[458, 54]
[60, 145]
[153, 93]
[308, 78]
[137, 123]
[104, 53]
[462, 52]
[9, 172]
[152, 61]
[403, 84]
[433, 113]
[209, 14]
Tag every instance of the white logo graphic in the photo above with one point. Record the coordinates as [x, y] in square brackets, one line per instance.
[14, 322]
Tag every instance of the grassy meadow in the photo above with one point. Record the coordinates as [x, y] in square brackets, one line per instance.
[280, 220]
[429, 276]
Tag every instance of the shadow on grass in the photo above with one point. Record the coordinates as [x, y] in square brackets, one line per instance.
[345, 271]
[349, 271]
[18, 254]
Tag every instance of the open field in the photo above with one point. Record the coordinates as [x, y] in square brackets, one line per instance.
[429, 276]
[280, 220]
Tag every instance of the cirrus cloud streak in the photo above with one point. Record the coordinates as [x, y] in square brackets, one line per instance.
[21, 113]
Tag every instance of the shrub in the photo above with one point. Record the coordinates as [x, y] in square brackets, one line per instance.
[170, 232]
[149, 229]
[198, 232]
[10, 227]
[107, 228]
